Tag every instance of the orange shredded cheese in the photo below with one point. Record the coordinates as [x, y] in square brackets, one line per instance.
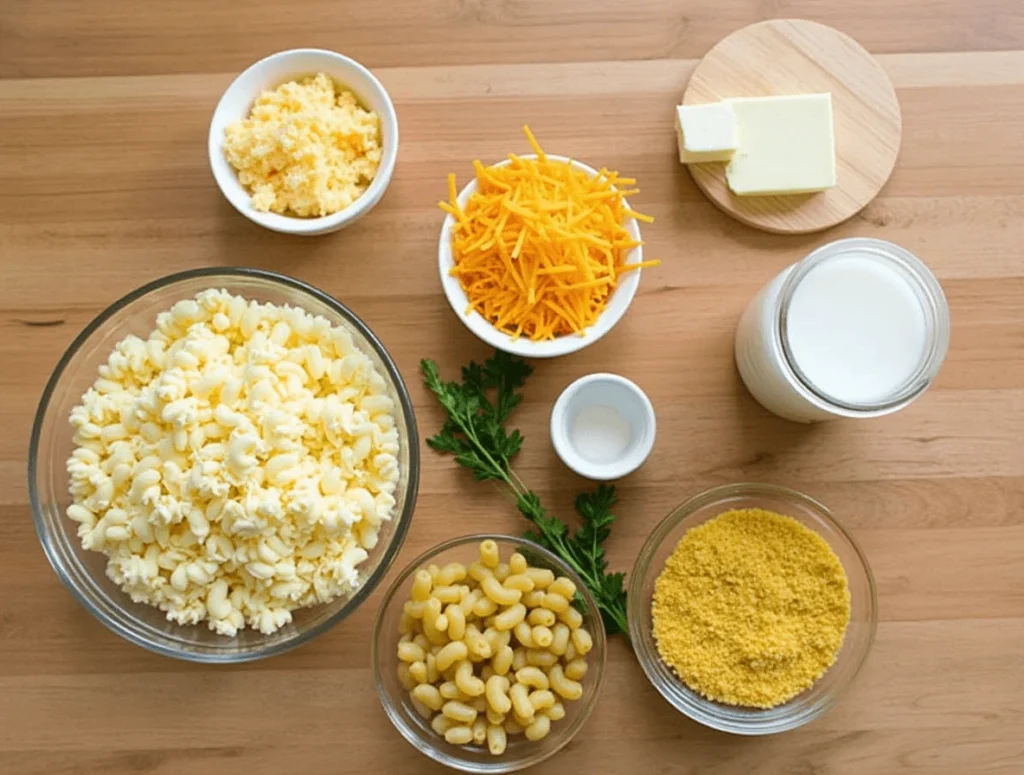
[540, 246]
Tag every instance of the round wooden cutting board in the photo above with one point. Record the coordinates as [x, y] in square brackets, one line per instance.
[794, 56]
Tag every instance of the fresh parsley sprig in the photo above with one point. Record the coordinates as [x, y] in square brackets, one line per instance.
[475, 433]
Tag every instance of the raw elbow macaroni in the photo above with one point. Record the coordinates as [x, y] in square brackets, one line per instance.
[236, 465]
[492, 650]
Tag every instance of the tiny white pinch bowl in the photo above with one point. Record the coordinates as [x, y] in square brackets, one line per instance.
[616, 307]
[616, 392]
[271, 72]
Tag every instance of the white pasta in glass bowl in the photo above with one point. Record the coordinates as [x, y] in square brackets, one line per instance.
[241, 464]
[484, 666]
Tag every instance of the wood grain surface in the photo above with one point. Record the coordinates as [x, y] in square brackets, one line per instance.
[797, 56]
[104, 185]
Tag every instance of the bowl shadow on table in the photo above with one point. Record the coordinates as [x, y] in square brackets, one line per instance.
[669, 738]
[749, 237]
[768, 443]
[244, 243]
[346, 264]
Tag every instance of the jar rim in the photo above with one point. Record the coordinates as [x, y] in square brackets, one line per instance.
[934, 305]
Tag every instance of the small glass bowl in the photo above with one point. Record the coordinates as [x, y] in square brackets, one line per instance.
[860, 632]
[83, 572]
[521, 753]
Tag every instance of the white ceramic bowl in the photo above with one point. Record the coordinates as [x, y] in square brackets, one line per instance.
[603, 426]
[563, 345]
[270, 73]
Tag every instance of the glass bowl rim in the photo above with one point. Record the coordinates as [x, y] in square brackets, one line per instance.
[641, 569]
[390, 553]
[435, 752]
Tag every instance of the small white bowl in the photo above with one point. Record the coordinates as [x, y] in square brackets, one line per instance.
[524, 347]
[270, 73]
[603, 426]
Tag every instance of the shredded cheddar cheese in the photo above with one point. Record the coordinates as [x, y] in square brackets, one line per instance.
[540, 246]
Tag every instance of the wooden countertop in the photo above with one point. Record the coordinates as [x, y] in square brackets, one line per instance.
[104, 185]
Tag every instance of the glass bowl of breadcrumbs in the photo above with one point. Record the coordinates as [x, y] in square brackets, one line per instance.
[751, 608]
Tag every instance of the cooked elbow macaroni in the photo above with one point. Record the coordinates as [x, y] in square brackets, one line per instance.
[484, 661]
[236, 465]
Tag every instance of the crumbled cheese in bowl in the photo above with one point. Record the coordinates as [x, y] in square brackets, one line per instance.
[236, 465]
[307, 148]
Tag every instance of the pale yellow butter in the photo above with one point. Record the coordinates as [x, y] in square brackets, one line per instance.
[706, 132]
[786, 145]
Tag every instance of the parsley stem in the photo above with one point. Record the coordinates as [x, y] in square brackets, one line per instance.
[475, 433]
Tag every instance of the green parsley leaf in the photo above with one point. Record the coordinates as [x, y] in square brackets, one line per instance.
[475, 433]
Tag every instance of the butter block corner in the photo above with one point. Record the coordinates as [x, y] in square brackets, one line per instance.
[706, 133]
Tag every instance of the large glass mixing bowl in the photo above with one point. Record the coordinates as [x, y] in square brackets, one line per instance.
[83, 572]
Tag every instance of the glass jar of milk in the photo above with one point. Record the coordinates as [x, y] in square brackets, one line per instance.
[859, 328]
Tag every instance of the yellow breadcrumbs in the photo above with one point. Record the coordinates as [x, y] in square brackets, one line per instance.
[307, 148]
[751, 608]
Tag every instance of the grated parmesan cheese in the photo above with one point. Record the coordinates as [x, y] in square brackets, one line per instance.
[307, 148]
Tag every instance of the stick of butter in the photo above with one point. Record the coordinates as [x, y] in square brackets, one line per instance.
[787, 145]
[706, 132]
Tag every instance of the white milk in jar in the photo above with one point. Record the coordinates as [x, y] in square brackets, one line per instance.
[859, 328]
